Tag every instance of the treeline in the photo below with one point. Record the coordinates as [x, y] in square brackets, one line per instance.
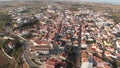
[27, 25]
[4, 19]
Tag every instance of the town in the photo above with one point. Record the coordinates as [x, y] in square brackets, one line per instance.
[54, 36]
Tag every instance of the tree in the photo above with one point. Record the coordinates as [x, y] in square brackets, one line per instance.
[4, 20]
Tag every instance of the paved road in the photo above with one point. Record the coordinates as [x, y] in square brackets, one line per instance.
[25, 54]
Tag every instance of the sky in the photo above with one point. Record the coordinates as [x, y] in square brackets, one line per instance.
[105, 1]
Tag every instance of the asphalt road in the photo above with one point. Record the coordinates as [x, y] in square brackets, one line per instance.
[26, 57]
[25, 54]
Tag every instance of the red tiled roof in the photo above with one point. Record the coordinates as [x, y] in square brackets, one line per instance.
[64, 54]
[10, 43]
[41, 42]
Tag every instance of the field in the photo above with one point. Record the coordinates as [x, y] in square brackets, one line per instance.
[4, 62]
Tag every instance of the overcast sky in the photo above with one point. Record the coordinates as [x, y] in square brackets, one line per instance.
[103, 0]
[108, 1]
[83, 0]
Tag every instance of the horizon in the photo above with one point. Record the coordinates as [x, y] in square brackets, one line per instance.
[115, 2]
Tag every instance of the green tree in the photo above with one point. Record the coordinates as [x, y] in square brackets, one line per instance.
[4, 19]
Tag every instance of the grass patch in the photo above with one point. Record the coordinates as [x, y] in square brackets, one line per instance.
[116, 17]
